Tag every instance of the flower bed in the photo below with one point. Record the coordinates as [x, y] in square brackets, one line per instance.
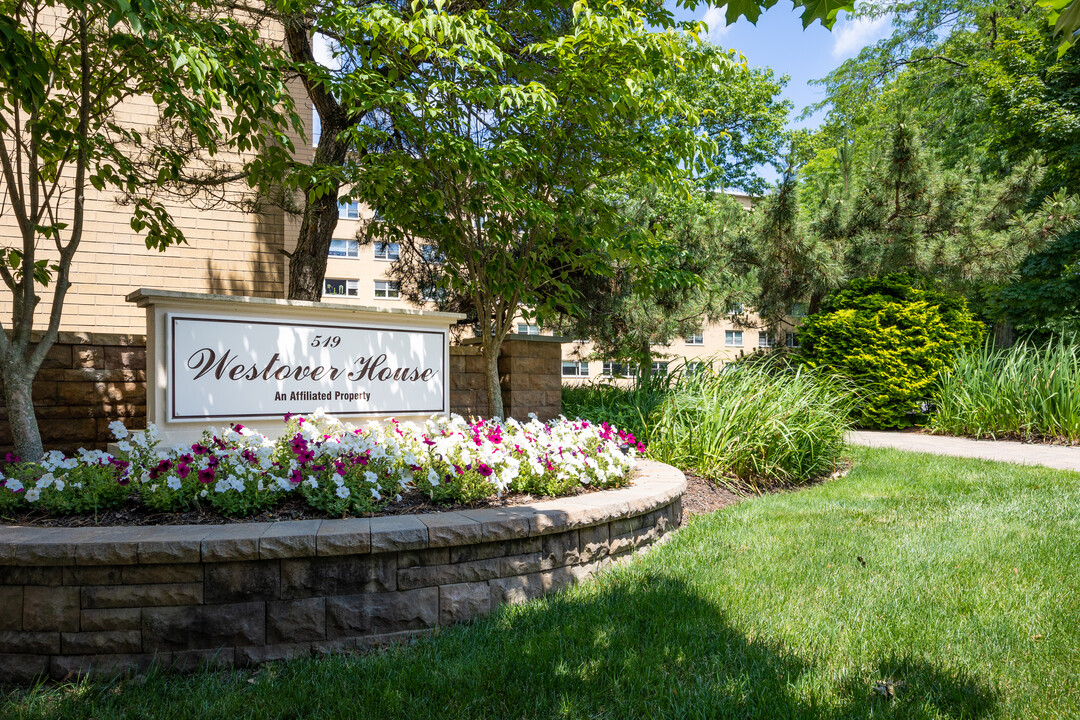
[335, 467]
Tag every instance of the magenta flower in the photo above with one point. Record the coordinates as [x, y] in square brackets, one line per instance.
[206, 476]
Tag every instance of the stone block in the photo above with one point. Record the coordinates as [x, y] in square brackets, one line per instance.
[22, 669]
[338, 575]
[59, 356]
[559, 549]
[192, 660]
[101, 642]
[176, 544]
[395, 533]
[49, 547]
[593, 542]
[49, 608]
[33, 643]
[373, 613]
[13, 575]
[101, 667]
[113, 392]
[88, 356]
[44, 392]
[103, 575]
[293, 538]
[109, 546]
[75, 393]
[204, 626]
[473, 571]
[485, 550]
[110, 619]
[291, 621]
[516, 589]
[424, 558]
[463, 601]
[451, 528]
[233, 542]
[256, 654]
[11, 607]
[498, 523]
[166, 573]
[125, 358]
[241, 581]
[621, 544]
[134, 596]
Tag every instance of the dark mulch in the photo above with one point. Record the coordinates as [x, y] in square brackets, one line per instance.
[1026, 438]
[704, 496]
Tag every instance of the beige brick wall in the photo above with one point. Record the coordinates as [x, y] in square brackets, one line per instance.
[228, 250]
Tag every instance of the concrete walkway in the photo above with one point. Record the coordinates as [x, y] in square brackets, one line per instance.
[1052, 456]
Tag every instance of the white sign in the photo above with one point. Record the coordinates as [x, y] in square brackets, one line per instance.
[238, 368]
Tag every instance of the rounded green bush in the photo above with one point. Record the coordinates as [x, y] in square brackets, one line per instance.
[890, 338]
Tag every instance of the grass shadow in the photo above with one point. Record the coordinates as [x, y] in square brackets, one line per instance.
[631, 644]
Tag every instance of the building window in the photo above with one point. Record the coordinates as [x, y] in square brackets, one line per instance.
[791, 340]
[575, 369]
[348, 210]
[693, 368]
[766, 340]
[344, 248]
[387, 251]
[617, 369]
[733, 338]
[659, 368]
[735, 309]
[341, 288]
[800, 310]
[432, 293]
[527, 329]
[698, 339]
[431, 254]
[389, 289]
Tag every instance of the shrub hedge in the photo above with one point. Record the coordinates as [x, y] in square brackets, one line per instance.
[890, 338]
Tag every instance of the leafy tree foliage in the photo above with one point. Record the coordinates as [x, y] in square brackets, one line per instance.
[65, 66]
[890, 338]
[688, 280]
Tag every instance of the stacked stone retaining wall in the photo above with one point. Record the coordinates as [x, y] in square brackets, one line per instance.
[103, 601]
[87, 381]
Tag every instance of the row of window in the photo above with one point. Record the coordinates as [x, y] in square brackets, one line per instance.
[384, 289]
[734, 338]
[571, 368]
[388, 251]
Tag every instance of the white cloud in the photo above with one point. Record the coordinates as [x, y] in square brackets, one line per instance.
[323, 50]
[853, 35]
[714, 18]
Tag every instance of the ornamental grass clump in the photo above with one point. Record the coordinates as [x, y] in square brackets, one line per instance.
[334, 467]
[754, 422]
[1029, 390]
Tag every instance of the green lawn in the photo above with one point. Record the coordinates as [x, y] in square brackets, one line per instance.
[969, 600]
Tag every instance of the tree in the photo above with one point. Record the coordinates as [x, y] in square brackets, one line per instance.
[687, 281]
[382, 44]
[65, 67]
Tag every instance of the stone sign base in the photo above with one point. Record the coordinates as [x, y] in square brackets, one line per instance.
[108, 601]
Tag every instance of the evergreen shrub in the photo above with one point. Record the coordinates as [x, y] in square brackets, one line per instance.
[890, 337]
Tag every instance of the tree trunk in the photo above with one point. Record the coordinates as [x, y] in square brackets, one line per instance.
[645, 373]
[491, 370]
[18, 396]
[1004, 334]
[307, 266]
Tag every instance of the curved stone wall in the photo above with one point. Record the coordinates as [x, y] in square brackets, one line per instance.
[103, 601]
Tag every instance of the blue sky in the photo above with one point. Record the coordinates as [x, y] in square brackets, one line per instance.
[779, 41]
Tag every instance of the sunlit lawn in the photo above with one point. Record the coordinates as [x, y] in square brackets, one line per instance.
[968, 603]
